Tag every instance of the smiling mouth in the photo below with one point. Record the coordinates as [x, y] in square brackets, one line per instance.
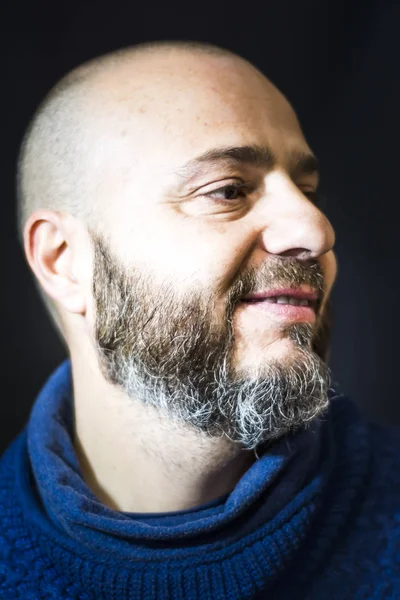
[284, 300]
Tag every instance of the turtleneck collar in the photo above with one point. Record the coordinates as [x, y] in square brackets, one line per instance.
[275, 480]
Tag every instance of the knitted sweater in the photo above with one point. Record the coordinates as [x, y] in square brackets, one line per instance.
[317, 516]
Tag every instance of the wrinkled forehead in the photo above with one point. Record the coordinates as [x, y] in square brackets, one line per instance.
[171, 108]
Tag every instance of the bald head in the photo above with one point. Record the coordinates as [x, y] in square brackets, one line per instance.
[52, 166]
[56, 166]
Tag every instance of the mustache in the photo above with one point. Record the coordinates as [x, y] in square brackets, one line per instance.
[279, 272]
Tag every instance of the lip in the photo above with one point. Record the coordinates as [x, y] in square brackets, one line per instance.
[283, 311]
[300, 293]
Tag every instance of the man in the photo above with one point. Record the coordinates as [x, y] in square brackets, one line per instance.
[191, 445]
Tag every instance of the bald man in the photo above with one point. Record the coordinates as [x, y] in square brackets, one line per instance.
[191, 446]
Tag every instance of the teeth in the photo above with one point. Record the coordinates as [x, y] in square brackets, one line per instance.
[292, 301]
[285, 300]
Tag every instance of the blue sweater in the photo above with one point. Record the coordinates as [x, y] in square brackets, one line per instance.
[317, 516]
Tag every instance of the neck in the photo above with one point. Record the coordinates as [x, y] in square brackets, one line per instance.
[134, 460]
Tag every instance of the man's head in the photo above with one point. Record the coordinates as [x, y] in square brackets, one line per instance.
[159, 187]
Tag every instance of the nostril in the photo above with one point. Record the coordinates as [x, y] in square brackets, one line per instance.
[300, 253]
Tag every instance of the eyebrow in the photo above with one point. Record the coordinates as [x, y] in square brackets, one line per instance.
[300, 162]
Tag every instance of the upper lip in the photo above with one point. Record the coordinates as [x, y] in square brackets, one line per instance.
[299, 293]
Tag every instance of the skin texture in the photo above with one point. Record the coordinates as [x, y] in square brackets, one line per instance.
[168, 248]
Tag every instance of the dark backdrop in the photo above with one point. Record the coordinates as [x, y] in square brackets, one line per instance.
[338, 63]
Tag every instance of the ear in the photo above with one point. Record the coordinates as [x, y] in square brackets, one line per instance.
[51, 244]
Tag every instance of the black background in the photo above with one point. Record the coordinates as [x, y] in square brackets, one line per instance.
[338, 63]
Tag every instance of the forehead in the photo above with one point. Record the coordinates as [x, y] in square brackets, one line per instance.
[166, 111]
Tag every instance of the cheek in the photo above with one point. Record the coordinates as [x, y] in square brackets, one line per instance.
[177, 248]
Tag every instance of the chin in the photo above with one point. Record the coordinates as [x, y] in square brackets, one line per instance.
[283, 350]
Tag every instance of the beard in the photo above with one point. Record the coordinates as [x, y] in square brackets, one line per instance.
[170, 352]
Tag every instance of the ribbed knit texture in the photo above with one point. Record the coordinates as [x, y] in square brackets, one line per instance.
[316, 517]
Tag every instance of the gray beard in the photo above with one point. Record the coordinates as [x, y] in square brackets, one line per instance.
[167, 353]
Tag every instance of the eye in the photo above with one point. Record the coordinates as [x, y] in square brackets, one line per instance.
[229, 193]
[311, 195]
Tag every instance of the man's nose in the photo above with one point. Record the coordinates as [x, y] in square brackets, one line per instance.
[294, 225]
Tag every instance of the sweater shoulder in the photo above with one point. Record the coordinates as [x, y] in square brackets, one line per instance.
[383, 439]
[366, 556]
[382, 443]
[14, 537]
[26, 572]
[9, 469]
